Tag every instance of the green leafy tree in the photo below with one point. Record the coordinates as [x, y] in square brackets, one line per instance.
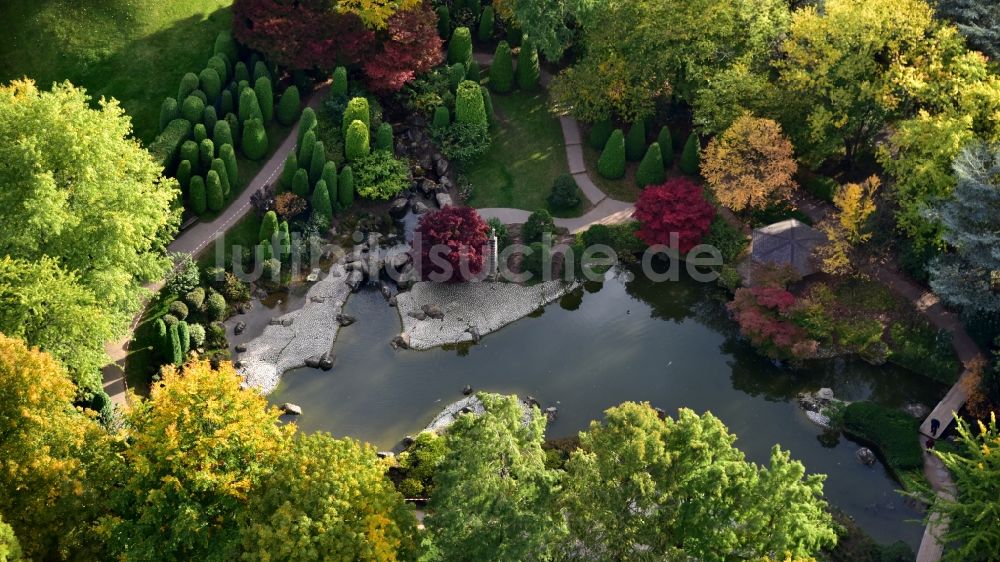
[197, 196]
[502, 69]
[357, 110]
[345, 187]
[10, 549]
[545, 22]
[338, 86]
[356, 145]
[265, 98]
[611, 164]
[199, 447]
[316, 162]
[493, 497]
[289, 106]
[690, 157]
[528, 70]
[321, 200]
[80, 191]
[254, 140]
[469, 105]
[650, 170]
[680, 489]
[460, 46]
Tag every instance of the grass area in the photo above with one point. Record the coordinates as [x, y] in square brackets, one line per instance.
[244, 233]
[893, 433]
[623, 189]
[527, 155]
[132, 50]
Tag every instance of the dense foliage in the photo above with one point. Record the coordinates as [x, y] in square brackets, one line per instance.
[451, 243]
[676, 208]
[411, 47]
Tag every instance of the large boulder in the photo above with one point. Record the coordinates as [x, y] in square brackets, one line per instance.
[398, 208]
[865, 456]
[443, 200]
[291, 409]
[433, 311]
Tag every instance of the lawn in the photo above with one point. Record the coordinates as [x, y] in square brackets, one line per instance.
[132, 50]
[527, 155]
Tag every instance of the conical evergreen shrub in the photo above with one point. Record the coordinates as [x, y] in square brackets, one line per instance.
[666, 142]
[690, 162]
[502, 69]
[197, 197]
[611, 165]
[213, 191]
[528, 70]
[321, 200]
[650, 170]
[635, 142]
[460, 46]
[345, 187]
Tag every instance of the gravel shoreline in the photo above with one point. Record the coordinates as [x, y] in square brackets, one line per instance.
[435, 314]
[291, 340]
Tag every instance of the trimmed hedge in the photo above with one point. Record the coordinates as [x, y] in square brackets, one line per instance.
[444, 21]
[460, 46]
[306, 150]
[488, 104]
[288, 106]
[228, 155]
[225, 45]
[168, 112]
[329, 177]
[249, 107]
[214, 196]
[260, 71]
[357, 110]
[189, 83]
[222, 133]
[635, 142]
[486, 22]
[197, 196]
[357, 144]
[469, 106]
[502, 69]
[383, 137]
[193, 109]
[171, 142]
[666, 142]
[288, 172]
[265, 98]
[254, 140]
[189, 150]
[456, 74]
[690, 162]
[651, 170]
[611, 165]
[219, 167]
[339, 86]
[442, 117]
[316, 162]
[307, 122]
[321, 200]
[345, 187]
[528, 71]
[210, 82]
[300, 183]
[473, 72]
[206, 153]
[600, 132]
[209, 118]
[894, 433]
[199, 132]
[221, 67]
[183, 174]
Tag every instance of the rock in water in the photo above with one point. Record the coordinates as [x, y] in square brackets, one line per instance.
[866, 456]
[550, 413]
[825, 394]
[239, 328]
[291, 409]
[467, 390]
[345, 319]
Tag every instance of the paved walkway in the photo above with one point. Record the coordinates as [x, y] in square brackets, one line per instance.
[193, 241]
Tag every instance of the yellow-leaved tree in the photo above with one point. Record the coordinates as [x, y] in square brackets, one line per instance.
[376, 13]
[849, 226]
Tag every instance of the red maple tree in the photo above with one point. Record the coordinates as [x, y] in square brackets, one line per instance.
[675, 206]
[301, 35]
[451, 244]
[766, 318]
[411, 47]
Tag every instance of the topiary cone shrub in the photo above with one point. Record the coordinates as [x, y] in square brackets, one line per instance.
[338, 87]
[635, 142]
[666, 142]
[690, 162]
[502, 69]
[383, 137]
[288, 106]
[469, 105]
[442, 117]
[357, 110]
[168, 112]
[265, 98]
[316, 162]
[600, 132]
[196, 195]
[651, 168]
[345, 187]
[611, 165]
[321, 201]
[306, 150]
[214, 195]
[460, 46]
[486, 22]
[254, 140]
[357, 144]
[528, 71]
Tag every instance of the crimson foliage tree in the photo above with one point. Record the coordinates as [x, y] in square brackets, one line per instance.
[305, 34]
[411, 47]
[678, 206]
[451, 244]
[766, 317]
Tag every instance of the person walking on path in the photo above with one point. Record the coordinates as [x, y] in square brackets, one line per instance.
[935, 425]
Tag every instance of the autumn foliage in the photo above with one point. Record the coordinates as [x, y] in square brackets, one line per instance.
[677, 206]
[750, 165]
[766, 316]
[412, 47]
[456, 236]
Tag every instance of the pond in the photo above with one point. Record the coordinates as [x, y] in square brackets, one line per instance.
[670, 344]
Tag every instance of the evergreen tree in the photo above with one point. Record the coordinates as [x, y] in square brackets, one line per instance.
[666, 142]
[240, 72]
[528, 71]
[289, 105]
[611, 165]
[200, 133]
[690, 158]
[651, 170]
[197, 196]
[460, 46]
[189, 83]
[210, 83]
[209, 118]
[300, 183]
[288, 172]
[222, 133]
[219, 167]
[249, 106]
[316, 162]
[357, 144]
[635, 142]
[183, 175]
[442, 117]
[220, 66]
[228, 155]
[306, 150]
[254, 140]
[190, 152]
[456, 74]
[168, 112]
[214, 196]
[357, 110]
[206, 153]
[226, 45]
[260, 71]
[226, 104]
[307, 123]
[502, 69]
[321, 200]
[979, 21]
[268, 227]
[338, 88]
[444, 21]
[345, 187]
[486, 25]
[600, 132]
[234, 128]
[383, 138]
[473, 72]
[469, 105]
[488, 105]
[193, 109]
[265, 98]
[184, 335]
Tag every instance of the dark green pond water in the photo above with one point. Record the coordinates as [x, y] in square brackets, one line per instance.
[671, 344]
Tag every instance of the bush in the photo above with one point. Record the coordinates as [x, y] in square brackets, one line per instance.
[300, 183]
[486, 22]
[600, 132]
[193, 109]
[265, 98]
[222, 133]
[221, 67]
[383, 138]
[178, 309]
[338, 87]
[216, 336]
[345, 187]
[196, 333]
[209, 118]
[462, 142]
[611, 165]
[235, 290]
[182, 278]
[651, 170]
[183, 175]
[201, 96]
[444, 21]
[249, 106]
[473, 72]
[456, 74]
[380, 176]
[469, 106]
[442, 117]
[635, 142]
[329, 175]
[225, 45]
[727, 238]
[502, 234]
[188, 84]
[189, 151]
[316, 162]
[288, 106]
[528, 71]
[892, 432]
[356, 144]
[219, 167]
[200, 133]
[924, 350]
[240, 72]
[538, 223]
[226, 104]
[620, 237]
[677, 207]
[306, 146]
[460, 46]
[168, 112]
[206, 153]
[195, 298]
[176, 350]
[534, 259]
[184, 335]
[260, 71]
[210, 82]
[690, 158]
[565, 193]
[214, 195]
[254, 140]
[357, 110]
[502, 69]
[215, 307]
[822, 187]
[488, 105]
[228, 156]
[171, 143]
[666, 143]
[321, 200]
[197, 196]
